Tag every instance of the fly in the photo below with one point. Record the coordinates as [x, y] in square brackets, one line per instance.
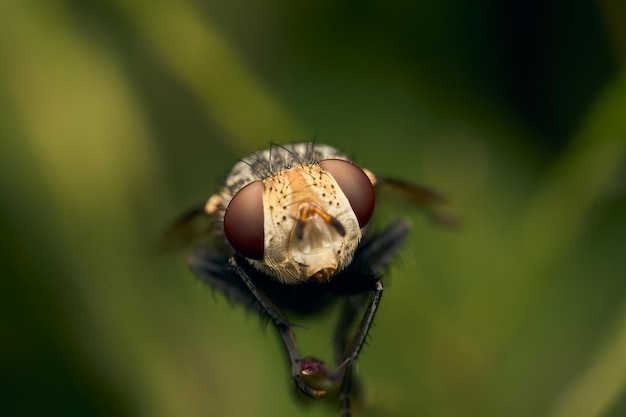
[291, 233]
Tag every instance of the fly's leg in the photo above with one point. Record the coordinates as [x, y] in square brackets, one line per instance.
[352, 351]
[349, 313]
[211, 267]
[372, 259]
[284, 329]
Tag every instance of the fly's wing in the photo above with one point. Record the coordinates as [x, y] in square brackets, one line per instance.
[194, 226]
[431, 201]
[191, 226]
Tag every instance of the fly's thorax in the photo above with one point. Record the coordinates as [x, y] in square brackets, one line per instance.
[310, 229]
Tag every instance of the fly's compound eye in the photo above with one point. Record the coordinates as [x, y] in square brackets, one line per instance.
[356, 186]
[243, 221]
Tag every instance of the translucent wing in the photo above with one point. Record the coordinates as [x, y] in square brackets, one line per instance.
[431, 201]
[194, 225]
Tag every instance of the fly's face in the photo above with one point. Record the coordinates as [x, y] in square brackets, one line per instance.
[303, 221]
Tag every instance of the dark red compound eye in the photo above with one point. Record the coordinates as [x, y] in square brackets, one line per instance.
[356, 186]
[243, 221]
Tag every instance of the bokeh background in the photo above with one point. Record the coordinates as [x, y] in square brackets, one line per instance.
[116, 116]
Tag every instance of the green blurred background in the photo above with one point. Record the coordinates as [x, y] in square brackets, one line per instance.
[116, 116]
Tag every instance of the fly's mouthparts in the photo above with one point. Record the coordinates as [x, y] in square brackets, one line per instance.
[324, 274]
